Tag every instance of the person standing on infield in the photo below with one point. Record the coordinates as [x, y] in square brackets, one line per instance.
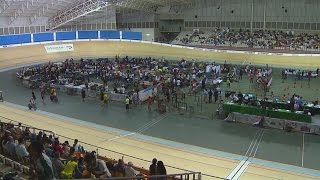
[83, 94]
[127, 103]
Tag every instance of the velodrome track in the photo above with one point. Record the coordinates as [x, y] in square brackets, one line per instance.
[207, 164]
[36, 53]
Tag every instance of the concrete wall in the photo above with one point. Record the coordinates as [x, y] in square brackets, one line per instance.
[297, 10]
[21, 21]
[21, 25]
[279, 14]
[137, 19]
[135, 16]
[148, 34]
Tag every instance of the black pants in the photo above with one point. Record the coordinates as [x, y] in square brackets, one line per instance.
[215, 99]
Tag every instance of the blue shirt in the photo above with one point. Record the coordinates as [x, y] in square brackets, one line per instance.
[21, 150]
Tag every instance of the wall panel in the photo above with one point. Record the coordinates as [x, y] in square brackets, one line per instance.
[88, 34]
[15, 39]
[66, 35]
[41, 37]
[109, 34]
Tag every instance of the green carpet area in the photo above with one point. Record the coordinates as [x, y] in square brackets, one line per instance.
[278, 87]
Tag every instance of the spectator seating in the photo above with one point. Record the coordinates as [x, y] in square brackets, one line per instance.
[244, 38]
[8, 165]
[10, 162]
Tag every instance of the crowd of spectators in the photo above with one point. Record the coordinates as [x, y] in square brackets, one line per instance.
[257, 39]
[48, 158]
[127, 75]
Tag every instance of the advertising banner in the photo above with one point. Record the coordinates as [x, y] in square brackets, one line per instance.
[144, 94]
[274, 123]
[59, 48]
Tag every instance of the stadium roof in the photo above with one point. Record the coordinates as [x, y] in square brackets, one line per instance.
[61, 12]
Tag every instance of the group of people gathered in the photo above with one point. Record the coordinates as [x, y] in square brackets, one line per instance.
[127, 75]
[48, 158]
[256, 39]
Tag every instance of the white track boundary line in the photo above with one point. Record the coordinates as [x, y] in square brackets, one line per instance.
[139, 130]
[246, 165]
[302, 154]
[236, 169]
[241, 171]
[243, 165]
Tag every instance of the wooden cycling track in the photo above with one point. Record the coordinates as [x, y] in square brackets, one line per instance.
[185, 159]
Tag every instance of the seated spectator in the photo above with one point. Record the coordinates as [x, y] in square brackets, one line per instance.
[153, 167]
[50, 139]
[79, 169]
[161, 170]
[48, 148]
[77, 147]
[130, 171]
[44, 138]
[58, 166]
[66, 149]
[11, 146]
[21, 150]
[41, 165]
[119, 169]
[68, 170]
[96, 166]
[18, 131]
[27, 132]
[4, 140]
[71, 155]
[56, 147]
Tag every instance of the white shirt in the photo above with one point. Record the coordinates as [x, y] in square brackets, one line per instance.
[215, 82]
[77, 146]
[178, 82]
[101, 166]
[122, 90]
[130, 172]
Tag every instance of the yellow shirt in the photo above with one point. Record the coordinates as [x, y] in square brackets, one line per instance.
[68, 169]
[105, 97]
[127, 101]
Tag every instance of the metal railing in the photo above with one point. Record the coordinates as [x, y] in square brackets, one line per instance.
[14, 165]
[183, 176]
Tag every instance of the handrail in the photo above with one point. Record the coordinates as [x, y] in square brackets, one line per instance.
[247, 51]
[123, 154]
[27, 126]
[161, 176]
[14, 164]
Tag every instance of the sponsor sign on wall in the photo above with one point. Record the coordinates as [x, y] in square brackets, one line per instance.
[59, 48]
[144, 94]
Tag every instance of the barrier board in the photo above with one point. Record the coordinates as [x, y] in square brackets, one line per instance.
[144, 94]
[59, 48]
[274, 123]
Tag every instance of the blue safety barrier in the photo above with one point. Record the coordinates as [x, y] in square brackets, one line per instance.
[15, 39]
[59, 36]
[88, 34]
[42, 37]
[109, 34]
[65, 35]
[132, 35]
